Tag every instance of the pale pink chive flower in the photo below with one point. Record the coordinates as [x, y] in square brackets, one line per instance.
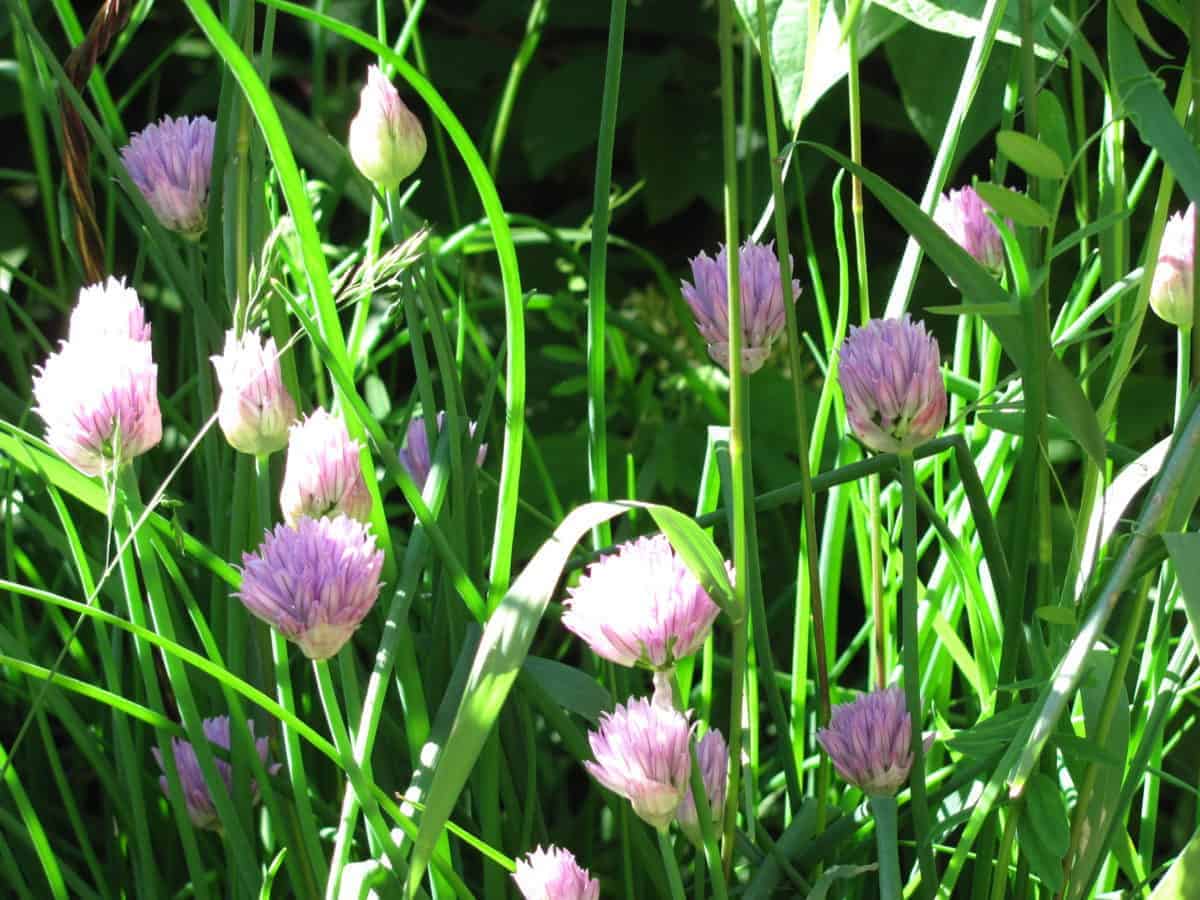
[640, 606]
[200, 807]
[171, 164]
[108, 309]
[553, 874]
[712, 753]
[323, 476]
[869, 741]
[99, 400]
[1171, 292]
[641, 752]
[962, 214]
[387, 142]
[256, 409]
[890, 377]
[315, 582]
[760, 295]
[416, 456]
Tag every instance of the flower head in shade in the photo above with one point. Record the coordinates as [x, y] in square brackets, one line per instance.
[869, 741]
[323, 476]
[315, 582]
[641, 752]
[895, 396]
[416, 456]
[641, 606]
[195, 791]
[387, 142]
[99, 400]
[761, 296]
[1171, 293]
[713, 755]
[963, 215]
[171, 164]
[255, 409]
[108, 309]
[553, 874]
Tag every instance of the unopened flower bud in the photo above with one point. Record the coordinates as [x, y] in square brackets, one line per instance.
[255, 409]
[1171, 293]
[387, 142]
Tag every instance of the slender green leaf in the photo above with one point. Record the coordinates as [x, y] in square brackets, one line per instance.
[1010, 204]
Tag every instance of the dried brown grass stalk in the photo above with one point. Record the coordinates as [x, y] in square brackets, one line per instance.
[105, 27]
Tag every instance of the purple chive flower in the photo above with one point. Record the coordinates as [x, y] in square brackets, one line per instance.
[641, 752]
[640, 606]
[315, 582]
[1171, 293]
[255, 409]
[387, 142]
[761, 296]
[962, 214]
[553, 874]
[713, 755]
[200, 806]
[869, 741]
[416, 456]
[171, 164]
[98, 395]
[323, 476]
[108, 309]
[895, 396]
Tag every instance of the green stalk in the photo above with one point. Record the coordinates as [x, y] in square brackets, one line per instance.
[508, 99]
[708, 832]
[1195, 72]
[887, 847]
[912, 675]
[807, 557]
[674, 879]
[597, 271]
[739, 434]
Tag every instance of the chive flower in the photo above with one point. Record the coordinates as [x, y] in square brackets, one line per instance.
[98, 395]
[962, 214]
[416, 455]
[255, 409]
[553, 874]
[314, 583]
[890, 376]
[869, 741]
[641, 606]
[170, 162]
[196, 794]
[712, 753]
[323, 475]
[641, 751]
[760, 295]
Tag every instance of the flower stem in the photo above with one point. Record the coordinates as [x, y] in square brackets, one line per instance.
[887, 845]
[708, 832]
[912, 673]
[671, 865]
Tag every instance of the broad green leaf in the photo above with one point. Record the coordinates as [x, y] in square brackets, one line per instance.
[821, 889]
[1031, 155]
[1052, 126]
[1043, 830]
[1185, 554]
[1140, 93]
[788, 24]
[1180, 881]
[570, 688]
[1056, 615]
[989, 737]
[1106, 794]
[976, 309]
[962, 19]
[1010, 204]
[1065, 396]
[1137, 24]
